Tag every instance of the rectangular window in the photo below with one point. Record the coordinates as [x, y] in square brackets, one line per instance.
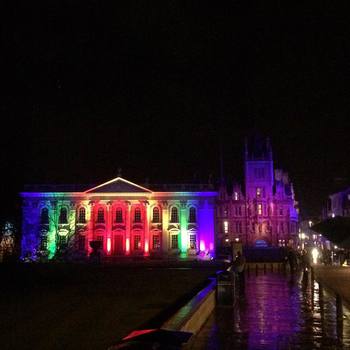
[174, 242]
[156, 242]
[100, 238]
[258, 192]
[259, 173]
[259, 209]
[62, 240]
[43, 245]
[281, 211]
[193, 241]
[225, 226]
[137, 242]
[81, 242]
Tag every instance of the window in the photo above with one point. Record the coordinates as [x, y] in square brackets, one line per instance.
[43, 243]
[174, 242]
[100, 216]
[81, 242]
[63, 216]
[192, 214]
[62, 240]
[225, 212]
[44, 217]
[174, 215]
[225, 227]
[235, 196]
[137, 242]
[258, 192]
[82, 216]
[281, 211]
[193, 241]
[239, 211]
[156, 242]
[100, 238]
[259, 173]
[259, 209]
[137, 215]
[119, 215]
[156, 215]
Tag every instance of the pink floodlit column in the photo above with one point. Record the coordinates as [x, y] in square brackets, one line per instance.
[147, 220]
[91, 226]
[109, 228]
[127, 227]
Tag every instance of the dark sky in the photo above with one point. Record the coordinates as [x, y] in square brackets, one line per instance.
[155, 87]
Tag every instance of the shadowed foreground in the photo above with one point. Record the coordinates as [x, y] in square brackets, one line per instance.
[86, 307]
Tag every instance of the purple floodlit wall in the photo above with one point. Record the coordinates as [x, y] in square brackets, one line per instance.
[206, 227]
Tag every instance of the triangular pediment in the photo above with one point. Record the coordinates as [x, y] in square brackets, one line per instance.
[118, 185]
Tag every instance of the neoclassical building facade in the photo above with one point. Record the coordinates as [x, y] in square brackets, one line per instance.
[265, 213]
[127, 219]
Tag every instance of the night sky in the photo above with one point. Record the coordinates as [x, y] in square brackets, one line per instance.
[153, 88]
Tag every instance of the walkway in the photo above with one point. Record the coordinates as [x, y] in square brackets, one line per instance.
[278, 312]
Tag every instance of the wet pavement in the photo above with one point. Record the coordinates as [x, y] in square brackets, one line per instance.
[279, 311]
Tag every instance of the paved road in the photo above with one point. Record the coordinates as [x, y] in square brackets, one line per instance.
[278, 312]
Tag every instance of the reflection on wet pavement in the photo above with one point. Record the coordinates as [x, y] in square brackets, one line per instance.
[278, 311]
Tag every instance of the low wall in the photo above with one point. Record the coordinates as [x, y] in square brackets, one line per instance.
[192, 316]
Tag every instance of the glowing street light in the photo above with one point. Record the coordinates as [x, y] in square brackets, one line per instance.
[314, 254]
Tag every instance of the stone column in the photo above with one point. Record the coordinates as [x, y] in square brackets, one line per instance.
[147, 220]
[165, 224]
[91, 224]
[183, 227]
[109, 228]
[127, 228]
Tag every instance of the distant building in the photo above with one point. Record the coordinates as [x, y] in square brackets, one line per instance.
[265, 213]
[338, 204]
[126, 218]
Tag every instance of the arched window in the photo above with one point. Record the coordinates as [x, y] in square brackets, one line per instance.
[174, 215]
[63, 216]
[100, 215]
[82, 215]
[156, 215]
[137, 216]
[119, 215]
[44, 217]
[192, 217]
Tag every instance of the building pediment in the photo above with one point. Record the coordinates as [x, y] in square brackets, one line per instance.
[118, 185]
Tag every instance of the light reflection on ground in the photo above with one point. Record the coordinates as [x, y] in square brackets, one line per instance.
[278, 312]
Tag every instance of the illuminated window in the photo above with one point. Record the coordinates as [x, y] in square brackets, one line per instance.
[193, 241]
[137, 215]
[44, 217]
[192, 217]
[137, 242]
[156, 215]
[258, 192]
[225, 212]
[174, 215]
[119, 215]
[63, 216]
[259, 209]
[174, 242]
[225, 227]
[82, 216]
[235, 196]
[81, 242]
[100, 216]
[156, 242]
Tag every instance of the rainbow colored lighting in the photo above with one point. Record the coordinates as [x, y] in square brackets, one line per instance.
[128, 236]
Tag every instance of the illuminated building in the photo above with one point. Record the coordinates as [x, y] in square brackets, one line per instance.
[266, 212]
[126, 218]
